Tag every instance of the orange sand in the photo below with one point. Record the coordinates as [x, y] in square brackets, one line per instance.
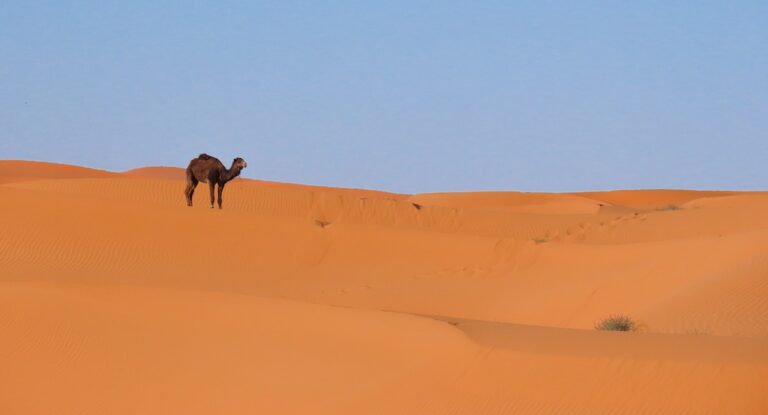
[116, 298]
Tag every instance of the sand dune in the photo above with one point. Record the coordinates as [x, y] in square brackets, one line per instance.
[21, 170]
[511, 202]
[158, 172]
[117, 298]
[651, 198]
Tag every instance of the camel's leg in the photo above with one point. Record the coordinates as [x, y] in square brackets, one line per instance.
[212, 185]
[190, 190]
[187, 193]
[221, 189]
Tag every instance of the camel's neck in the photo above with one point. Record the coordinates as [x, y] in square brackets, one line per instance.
[231, 173]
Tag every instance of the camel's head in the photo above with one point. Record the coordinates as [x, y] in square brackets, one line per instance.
[239, 163]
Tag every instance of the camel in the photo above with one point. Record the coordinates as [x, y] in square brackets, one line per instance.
[208, 169]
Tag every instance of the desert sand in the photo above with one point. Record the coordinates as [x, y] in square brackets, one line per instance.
[117, 298]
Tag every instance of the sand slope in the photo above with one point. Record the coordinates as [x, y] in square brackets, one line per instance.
[22, 170]
[159, 172]
[117, 298]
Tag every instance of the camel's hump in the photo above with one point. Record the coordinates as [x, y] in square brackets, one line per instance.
[203, 156]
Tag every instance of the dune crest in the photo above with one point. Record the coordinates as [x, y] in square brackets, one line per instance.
[157, 172]
[23, 170]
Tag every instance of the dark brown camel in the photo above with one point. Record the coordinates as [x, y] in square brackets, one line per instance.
[208, 169]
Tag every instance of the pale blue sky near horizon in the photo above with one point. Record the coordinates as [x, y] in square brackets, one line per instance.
[404, 96]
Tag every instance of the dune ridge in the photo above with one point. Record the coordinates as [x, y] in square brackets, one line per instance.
[299, 298]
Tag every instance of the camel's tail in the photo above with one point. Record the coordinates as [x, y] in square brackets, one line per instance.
[203, 156]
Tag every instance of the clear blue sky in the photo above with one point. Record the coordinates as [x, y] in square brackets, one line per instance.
[407, 96]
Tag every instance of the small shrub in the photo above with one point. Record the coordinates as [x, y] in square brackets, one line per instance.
[668, 208]
[617, 323]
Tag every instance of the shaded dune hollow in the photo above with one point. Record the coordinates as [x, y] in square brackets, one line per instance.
[117, 298]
